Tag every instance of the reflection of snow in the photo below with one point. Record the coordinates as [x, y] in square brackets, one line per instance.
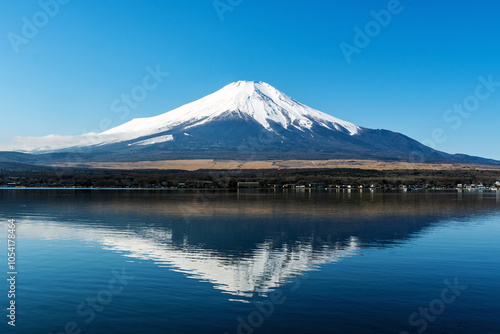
[265, 268]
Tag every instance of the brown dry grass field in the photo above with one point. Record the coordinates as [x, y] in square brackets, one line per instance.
[210, 164]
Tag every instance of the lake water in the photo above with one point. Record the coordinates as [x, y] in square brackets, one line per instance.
[312, 261]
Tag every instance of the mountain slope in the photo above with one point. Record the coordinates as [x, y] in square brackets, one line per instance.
[243, 120]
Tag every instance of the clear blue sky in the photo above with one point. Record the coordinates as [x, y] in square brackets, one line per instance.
[64, 77]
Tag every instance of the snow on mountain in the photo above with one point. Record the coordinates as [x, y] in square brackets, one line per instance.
[257, 100]
[248, 99]
[155, 140]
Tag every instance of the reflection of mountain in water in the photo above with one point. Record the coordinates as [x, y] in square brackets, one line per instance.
[222, 240]
[263, 268]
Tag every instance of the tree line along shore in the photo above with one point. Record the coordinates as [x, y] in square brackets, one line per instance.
[224, 179]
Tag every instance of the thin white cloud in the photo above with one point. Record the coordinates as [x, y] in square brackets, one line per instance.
[54, 142]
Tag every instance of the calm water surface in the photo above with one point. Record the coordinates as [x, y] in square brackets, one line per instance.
[103, 261]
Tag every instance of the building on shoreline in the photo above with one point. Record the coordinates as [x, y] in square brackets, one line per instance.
[248, 184]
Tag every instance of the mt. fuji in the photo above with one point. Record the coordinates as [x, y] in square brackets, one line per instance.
[257, 101]
[243, 119]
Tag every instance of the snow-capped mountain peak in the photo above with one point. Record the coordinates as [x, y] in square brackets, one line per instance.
[243, 120]
[256, 103]
[256, 100]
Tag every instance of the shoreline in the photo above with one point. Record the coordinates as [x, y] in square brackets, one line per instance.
[394, 189]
